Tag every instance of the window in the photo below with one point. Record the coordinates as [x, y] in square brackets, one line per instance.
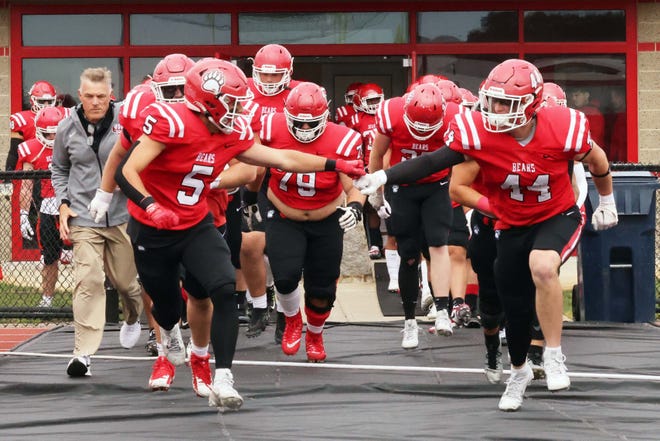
[467, 26]
[575, 25]
[180, 29]
[467, 71]
[72, 30]
[64, 74]
[323, 28]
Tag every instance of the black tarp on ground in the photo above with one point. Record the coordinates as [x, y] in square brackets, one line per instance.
[39, 402]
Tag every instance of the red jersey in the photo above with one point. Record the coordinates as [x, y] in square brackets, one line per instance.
[390, 122]
[528, 183]
[365, 124]
[136, 100]
[179, 177]
[308, 191]
[344, 114]
[34, 152]
[266, 104]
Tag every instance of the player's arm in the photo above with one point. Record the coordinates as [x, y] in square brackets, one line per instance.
[237, 174]
[118, 152]
[299, 162]
[411, 170]
[15, 138]
[460, 187]
[605, 215]
[127, 176]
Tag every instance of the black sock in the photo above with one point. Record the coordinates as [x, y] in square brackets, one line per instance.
[441, 303]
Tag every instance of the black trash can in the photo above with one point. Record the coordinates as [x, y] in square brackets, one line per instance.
[616, 270]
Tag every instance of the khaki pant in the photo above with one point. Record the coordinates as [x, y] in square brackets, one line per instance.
[98, 252]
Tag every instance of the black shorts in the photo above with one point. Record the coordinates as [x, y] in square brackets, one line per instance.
[459, 233]
[314, 247]
[421, 216]
[49, 238]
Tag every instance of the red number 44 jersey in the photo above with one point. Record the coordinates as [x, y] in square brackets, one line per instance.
[529, 180]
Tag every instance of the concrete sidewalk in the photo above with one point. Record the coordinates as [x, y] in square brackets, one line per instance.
[357, 300]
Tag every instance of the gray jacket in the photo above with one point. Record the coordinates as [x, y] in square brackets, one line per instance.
[76, 170]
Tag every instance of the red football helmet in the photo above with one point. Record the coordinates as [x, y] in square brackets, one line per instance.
[272, 59]
[423, 111]
[553, 95]
[46, 122]
[169, 76]
[468, 99]
[218, 89]
[42, 94]
[351, 90]
[367, 98]
[306, 111]
[515, 88]
[450, 91]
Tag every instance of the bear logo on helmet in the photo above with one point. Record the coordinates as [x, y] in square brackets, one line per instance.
[213, 81]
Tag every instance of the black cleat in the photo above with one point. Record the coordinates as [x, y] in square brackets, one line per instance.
[258, 322]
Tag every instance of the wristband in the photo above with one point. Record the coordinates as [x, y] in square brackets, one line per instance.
[249, 197]
[483, 205]
[356, 205]
[146, 201]
[330, 165]
[606, 199]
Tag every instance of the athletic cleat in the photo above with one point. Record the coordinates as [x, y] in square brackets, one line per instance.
[45, 302]
[258, 322]
[393, 286]
[129, 334]
[162, 374]
[535, 360]
[201, 375]
[461, 314]
[474, 322]
[223, 395]
[515, 389]
[556, 374]
[279, 327]
[79, 366]
[503, 341]
[314, 347]
[493, 368]
[432, 314]
[410, 334]
[152, 345]
[427, 302]
[270, 299]
[443, 324]
[374, 253]
[292, 334]
[173, 345]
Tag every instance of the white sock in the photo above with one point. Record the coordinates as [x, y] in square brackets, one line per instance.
[550, 350]
[290, 302]
[424, 270]
[392, 260]
[314, 329]
[260, 302]
[278, 305]
[200, 351]
[248, 297]
[159, 348]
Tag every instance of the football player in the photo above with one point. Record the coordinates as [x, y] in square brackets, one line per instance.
[524, 151]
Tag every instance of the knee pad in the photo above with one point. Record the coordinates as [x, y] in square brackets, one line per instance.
[286, 286]
[327, 294]
[491, 321]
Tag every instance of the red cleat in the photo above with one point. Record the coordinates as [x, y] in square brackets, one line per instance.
[162, 374]
[314, 347]
[292, 334]
[201, 375]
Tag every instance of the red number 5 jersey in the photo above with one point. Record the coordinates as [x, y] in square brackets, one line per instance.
[528, 180]
[308, 191]
[179, 177]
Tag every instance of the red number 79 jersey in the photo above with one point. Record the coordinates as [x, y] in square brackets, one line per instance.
[528, 180]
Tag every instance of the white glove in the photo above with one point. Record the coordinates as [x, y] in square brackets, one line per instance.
[376, 200]
[385, 210]
[252, 215]
[369, 183]
[352, 215]
[98, 207]
[605, 216]
[26, 229]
